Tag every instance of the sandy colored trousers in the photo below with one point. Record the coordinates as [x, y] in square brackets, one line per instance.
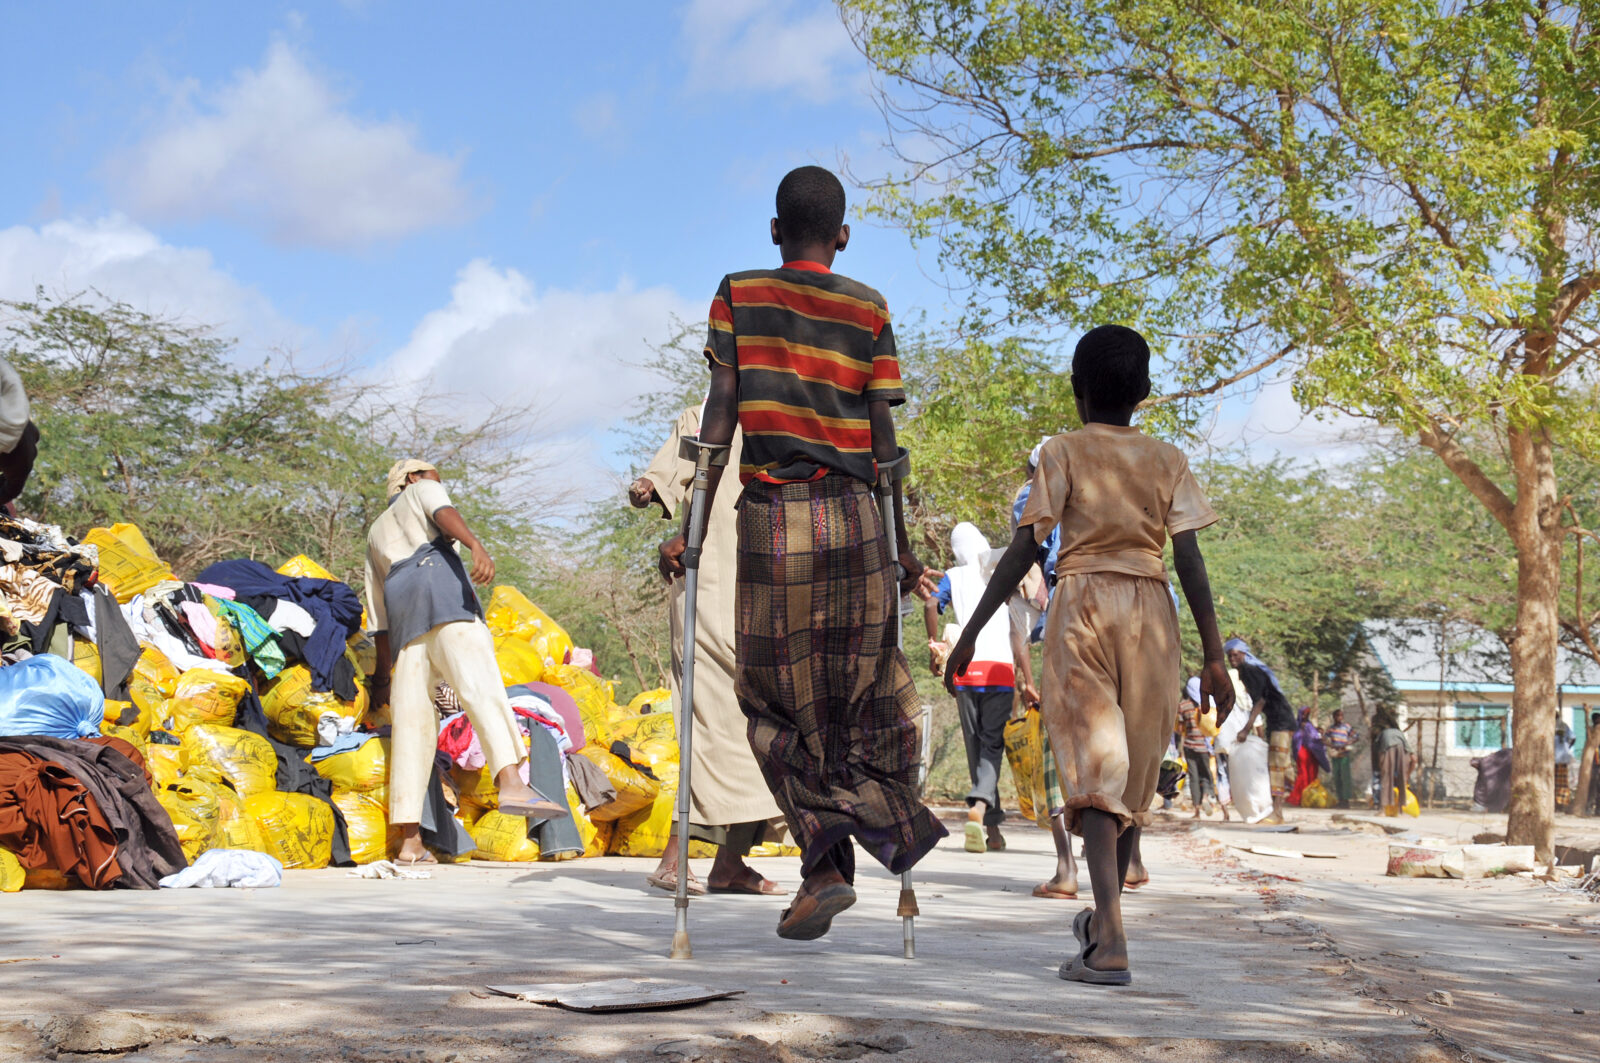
[1110, 691]
[460, 653]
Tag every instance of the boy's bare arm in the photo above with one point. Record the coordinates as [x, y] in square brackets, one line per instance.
[1014, 565]
[716, 426]
[1214, 681]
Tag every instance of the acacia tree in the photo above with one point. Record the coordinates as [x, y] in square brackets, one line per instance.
[156, 422]
[1394, 201]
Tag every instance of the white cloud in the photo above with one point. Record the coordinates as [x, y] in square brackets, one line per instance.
[127, 262]
[1265, 422]
[571, 355]
[275, 148]
[770, 45]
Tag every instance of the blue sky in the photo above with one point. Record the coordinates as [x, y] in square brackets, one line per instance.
[502, 201]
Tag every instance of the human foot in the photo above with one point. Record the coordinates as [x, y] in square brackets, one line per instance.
[995, 841]
[746, 880]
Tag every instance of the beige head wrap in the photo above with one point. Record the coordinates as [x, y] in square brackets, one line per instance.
[400, 470]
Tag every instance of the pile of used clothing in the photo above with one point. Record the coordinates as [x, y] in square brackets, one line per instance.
[184, 723]
[145, 720]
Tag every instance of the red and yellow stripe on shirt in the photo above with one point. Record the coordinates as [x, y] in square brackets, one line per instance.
[812, 349]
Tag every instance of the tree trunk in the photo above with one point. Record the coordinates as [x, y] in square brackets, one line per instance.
[1536, 532]
[1591, 745]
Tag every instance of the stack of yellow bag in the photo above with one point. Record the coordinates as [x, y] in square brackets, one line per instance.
[527, 642]
[360, 780]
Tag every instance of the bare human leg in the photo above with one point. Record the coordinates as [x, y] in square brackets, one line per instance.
[1064, 885]
[1107, 850]
[412, 851]
[1134, 873]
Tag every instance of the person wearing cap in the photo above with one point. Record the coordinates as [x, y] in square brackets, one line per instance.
[421, 605]
[19, 438]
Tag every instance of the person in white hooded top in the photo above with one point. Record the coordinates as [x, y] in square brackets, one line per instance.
[985, 693]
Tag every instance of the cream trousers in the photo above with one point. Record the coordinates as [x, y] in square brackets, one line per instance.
[460, 653]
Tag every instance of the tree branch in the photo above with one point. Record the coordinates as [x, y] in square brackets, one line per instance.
[1469, 472]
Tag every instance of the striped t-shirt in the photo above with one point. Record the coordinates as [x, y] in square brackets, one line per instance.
[812, 348]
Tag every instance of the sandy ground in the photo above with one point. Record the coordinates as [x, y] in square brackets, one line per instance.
[1236, 956]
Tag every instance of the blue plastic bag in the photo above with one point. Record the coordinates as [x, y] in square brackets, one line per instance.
[46, 695]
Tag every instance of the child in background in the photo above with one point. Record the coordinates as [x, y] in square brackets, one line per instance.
[1111, 679]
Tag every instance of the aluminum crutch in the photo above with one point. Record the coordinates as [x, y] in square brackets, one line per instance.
[705, 456]
[889, 474]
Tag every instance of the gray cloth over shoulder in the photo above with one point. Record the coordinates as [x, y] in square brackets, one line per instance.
[429, 588]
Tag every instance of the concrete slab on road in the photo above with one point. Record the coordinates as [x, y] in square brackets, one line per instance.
[372, 966]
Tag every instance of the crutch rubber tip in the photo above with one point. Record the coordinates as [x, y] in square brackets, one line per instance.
[680, 946]
[908, 905]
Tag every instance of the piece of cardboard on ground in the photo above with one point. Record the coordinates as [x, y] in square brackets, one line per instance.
[615, 994]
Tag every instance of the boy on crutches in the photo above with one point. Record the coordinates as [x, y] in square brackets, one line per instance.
[803, 360]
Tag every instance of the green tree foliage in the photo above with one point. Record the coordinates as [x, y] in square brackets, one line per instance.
[1294, 568]
[1393, 200]
[973, 412]
[157, 423]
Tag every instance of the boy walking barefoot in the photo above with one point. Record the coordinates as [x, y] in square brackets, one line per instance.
[1111, 662]
[803, 360]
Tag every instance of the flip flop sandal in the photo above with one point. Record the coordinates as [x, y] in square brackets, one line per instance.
[743, 886]
[974, 840]
[540, 810]
[1137, 883]
[1044, 891]
[829, 902]
[1080, 928]
[668, 881]
[996, 846]
[1077, 969]
[412, 861]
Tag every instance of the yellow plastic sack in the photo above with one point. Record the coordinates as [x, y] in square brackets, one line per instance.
[593, 696]
[1316, 796]
[165, 763]
[246, 760]
[1413, 807]
[367, 821]
[476, 789]
[596, 836]
[293, 709]
[645, 832]
[128, 566]
[12, 875]
[510, 613]
[659, 700]
[302, 567]
[204, 697]
[127, 721]
[1208, 722]
[519, 662]
[298, 828]
[153, 681]
[502, 837]
[361, 769]
[236, 827]
[1025, 752]
[196, 811]
[635, 790]
[86, 655]
[638, 730]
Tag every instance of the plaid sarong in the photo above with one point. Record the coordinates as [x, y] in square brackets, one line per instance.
[821, 679]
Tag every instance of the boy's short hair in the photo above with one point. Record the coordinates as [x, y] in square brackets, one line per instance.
[810, 205]
[1111, 366]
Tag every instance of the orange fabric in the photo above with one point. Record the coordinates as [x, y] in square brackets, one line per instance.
[49, 820]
